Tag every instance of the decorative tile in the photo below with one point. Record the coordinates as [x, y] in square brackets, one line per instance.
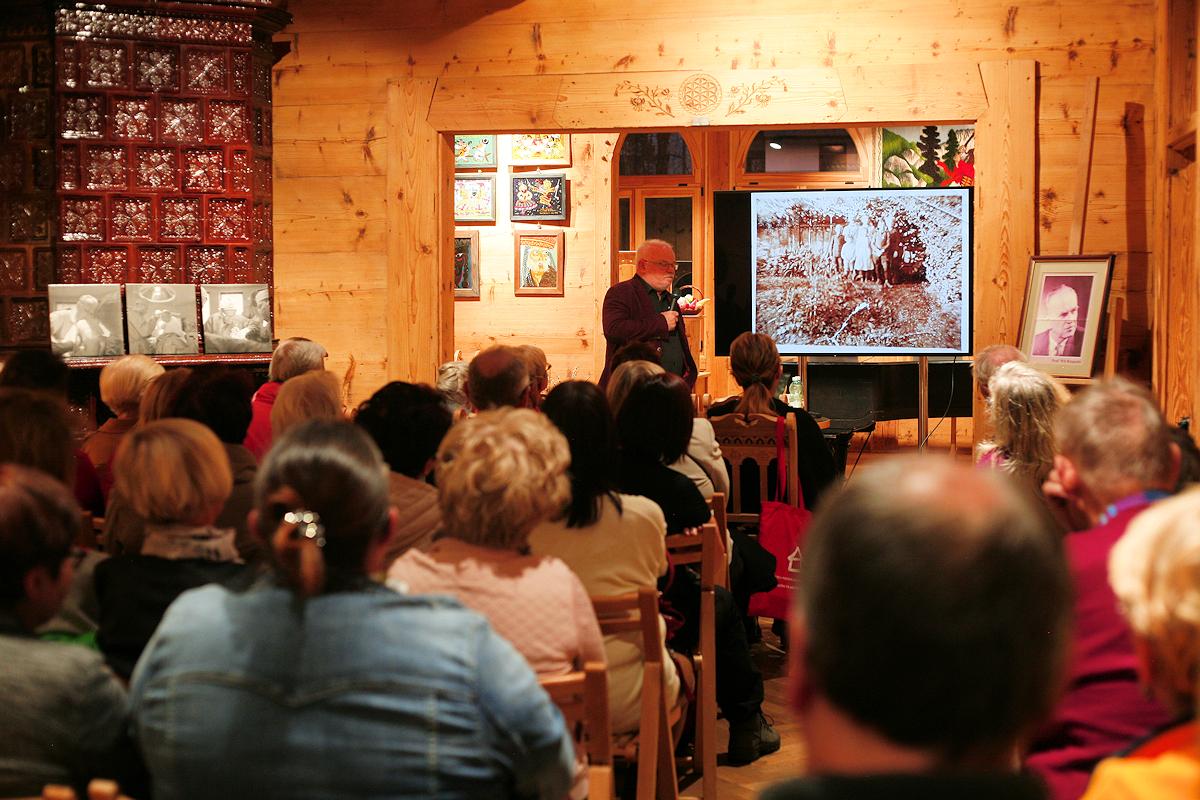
[104, 168]
[82, 219]
[205, 71]
[68, 64]
[106, 66]
[180, 121]
[110, 23]
[179, 219]
[43, 168]
[228, 121]
[203, 170]
[30, 116]
[12, 169]
[239, 73]
[43, 268]
[241, 269]
[262, 79]
[28, 219]
[12, 269]
[133, 118]
[106, 265]
[239, 171]
[159, 265]
[262, 267]
[43, 65]
[12, 66]
[131, 219]
[68, 167]
[28, 320]
[68, 266]
[156, 69]
[262, 176]
[262, 223]
[205, 265]
[262, 127]
[156, 169]
[228, 220]
[81, 116]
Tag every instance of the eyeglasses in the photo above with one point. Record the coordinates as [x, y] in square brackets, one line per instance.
[663, 265]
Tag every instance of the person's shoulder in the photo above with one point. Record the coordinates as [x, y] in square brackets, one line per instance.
[638, 509]
[52, 663]
[702, 429]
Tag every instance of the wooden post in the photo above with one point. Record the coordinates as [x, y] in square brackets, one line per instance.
[804, 378]
[922, 402]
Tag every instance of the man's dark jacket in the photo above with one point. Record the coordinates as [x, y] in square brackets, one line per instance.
[629, 316]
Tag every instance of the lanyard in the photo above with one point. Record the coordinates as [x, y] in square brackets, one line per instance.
[1133, 501]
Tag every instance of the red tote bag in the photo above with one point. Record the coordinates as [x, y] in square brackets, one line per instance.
[781, 530]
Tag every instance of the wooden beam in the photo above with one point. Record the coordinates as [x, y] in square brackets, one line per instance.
[1087, 128]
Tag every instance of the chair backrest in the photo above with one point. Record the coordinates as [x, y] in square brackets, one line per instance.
[751, 437]
[706, 551]
[582, 697]
[636, 611]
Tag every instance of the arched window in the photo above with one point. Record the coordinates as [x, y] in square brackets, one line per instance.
[655, 154]
[803, 157]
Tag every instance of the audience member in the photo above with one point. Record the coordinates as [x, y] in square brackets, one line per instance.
[757, 368]
[161, 396]
[1189, 458]
[1115, 459]
[637, 351]
[499, 377]
[452, 383]
[930, 635]
[313, 395]
[612, 541]
[326, 684]
[990, 359]
[408, 422]
[34, 432]
[1021, 407]
[122, 383]
[175, 475]
[64, 711]
[293, 356]
[539, 371]
[499, 474]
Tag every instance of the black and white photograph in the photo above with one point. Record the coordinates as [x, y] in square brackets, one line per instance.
[85, 320]
[237, 318]
[863, 271]
[162, 319]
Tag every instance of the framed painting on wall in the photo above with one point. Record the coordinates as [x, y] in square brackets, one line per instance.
[539, 196]
[539, 264]
[474, 198]
[932, 155]
[162, 318]
[237, 317]
[541, 150]
[1064, 311]
[475, 151]
[85, 320]
[466, 264]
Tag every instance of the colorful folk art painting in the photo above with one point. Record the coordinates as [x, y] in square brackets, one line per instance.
[466, 264]
[474, 198]
[932, 155]
[475, 150]
[539, 264]
[541, 149]
[539, 196]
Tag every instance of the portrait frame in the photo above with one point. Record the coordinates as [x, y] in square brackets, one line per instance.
[466, 272]
[475, 151]
[1057, 348]
[162, 319]
[526, 283]
[470, 206]
[538, 197]
[249, 327]
[540, 150]
[87, 320]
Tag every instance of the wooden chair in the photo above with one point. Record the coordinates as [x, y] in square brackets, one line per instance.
[582, 697]
[718, 503]
[752, 438]
[653, 749]
[706, 552]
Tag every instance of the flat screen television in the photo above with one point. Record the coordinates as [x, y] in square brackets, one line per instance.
[845, 271]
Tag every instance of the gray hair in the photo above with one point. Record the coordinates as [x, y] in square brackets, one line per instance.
[296, 356]
[452, 382]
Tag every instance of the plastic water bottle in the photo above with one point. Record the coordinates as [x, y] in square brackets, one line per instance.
[796, 393]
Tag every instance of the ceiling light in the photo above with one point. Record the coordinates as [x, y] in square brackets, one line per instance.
[775, 145]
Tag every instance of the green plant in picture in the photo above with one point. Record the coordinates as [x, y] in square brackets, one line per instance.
[902, 162]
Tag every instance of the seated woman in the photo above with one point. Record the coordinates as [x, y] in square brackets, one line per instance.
[122, 384]
[1022, 402]
[324, 683]
[174, 474]
[1154, 571]
[612, 541]
[756, 367]
[313, 395]
[499, 474]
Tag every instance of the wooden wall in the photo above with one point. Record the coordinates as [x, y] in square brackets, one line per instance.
[331, 158]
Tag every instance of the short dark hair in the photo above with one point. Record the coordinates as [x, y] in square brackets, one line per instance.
[654, 423]
[579, 410]
[936, 603]
[497, 377]
[637, 350]
[38, 523]
[36, 369]
[407, 421]
[34, 432]
[219, 399]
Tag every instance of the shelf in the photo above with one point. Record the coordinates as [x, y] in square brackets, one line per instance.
[178, 361]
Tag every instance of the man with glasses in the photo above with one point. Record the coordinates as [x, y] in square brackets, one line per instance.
[644, 308]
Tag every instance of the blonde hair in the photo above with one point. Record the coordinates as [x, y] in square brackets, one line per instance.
[158, 401]
[625, 377]
[313, 395]
[1022, 404]
[173, 471]
[123, 381]
[1154, 570]
[499, 474]
[754, 360]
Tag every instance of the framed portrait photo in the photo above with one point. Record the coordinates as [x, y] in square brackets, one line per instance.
[86, 320]
[539, 264]
[466, 264]
[541, 150]
[162, 318]
[475, 151]
[1064, 312]
[538, 196]
[474, 198]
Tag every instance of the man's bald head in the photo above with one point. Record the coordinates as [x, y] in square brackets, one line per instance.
[497, 377]
[990, 359]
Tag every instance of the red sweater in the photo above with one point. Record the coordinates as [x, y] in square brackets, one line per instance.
[258, 435]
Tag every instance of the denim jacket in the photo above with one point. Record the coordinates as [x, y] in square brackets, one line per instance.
[363, 693]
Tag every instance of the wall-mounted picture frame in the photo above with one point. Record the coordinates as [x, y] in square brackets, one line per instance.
[475, 151]
[539, 264]
[540, 150]
[237, 317]
[538, 196]
[1065, 302]
[466, 264]
[474, 198]
[86, 320]
[162, 318]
